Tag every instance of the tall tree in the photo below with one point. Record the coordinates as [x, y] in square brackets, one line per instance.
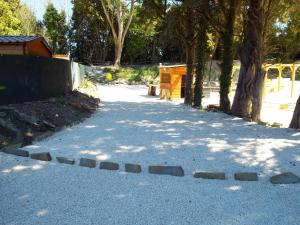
[57, 29]
[248, 96]
[89, 35]
[295, 122]
[116, 9]
[184, 26]
[9, 22]
[28, 20]
[229, 11]
[189, 38]
[222, 18]
[202, 49]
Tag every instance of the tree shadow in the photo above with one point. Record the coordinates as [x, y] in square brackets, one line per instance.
[160, 132]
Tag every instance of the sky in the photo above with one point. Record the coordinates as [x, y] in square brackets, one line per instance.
[38, 6]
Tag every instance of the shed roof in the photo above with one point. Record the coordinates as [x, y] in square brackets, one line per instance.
[23, 39]
[17, 39]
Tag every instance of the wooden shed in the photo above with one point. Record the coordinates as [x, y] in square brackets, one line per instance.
[172, 81]
[24, 45]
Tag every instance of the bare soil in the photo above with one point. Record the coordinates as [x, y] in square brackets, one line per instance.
[22, 123]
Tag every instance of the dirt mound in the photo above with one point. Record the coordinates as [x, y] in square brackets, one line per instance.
[33, 119]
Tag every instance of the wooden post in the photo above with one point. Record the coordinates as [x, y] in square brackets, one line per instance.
[279, 77]
[265, 84]
[293, 79]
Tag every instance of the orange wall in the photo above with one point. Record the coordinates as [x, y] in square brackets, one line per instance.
[37, 48]
[11, 50]
[34, 48]
[176, 74]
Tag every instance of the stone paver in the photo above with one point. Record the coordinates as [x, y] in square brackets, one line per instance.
[167, 170]
[210, 175]
[285, 178]
[246, 176]
[65, 160]
[109, 166]
[17, 152]
[133, 168]
[43, 156]
[84, 162]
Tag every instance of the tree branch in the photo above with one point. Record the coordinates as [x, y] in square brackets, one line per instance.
[108, 19]
[129, 20]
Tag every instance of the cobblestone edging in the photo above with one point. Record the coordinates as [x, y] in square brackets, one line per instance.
[283, 178]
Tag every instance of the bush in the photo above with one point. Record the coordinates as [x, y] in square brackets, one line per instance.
[86, 84]
[140, 74]
[108, 77]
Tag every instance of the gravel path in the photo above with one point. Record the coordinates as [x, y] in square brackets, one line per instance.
[133, 128]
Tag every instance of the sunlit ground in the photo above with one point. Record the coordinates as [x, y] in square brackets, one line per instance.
[278, 107]
[131, 127]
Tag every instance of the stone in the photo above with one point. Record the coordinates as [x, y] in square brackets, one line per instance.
[213, 108]
[133, 168]
[246, 176]
[65, 160]
[109, 166]
[8, 129]
[17, 152]
[91, 163]
[262, 123]
[210, 175]
[3, 114]
[276, 125]
[27, 139]
[43, 156]
[247, 119]
[167, 170]
[48, 124]
[285, 178]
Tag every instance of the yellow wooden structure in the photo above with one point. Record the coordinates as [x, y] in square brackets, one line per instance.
[61, 56]
[280, 67]
[266, 67]
[172, 81]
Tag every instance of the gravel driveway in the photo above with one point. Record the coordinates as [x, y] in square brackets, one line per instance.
[131, 127]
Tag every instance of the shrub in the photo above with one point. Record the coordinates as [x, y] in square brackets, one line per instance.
[108, 77]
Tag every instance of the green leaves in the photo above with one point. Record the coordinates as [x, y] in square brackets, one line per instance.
[9, 22]
[57, 29]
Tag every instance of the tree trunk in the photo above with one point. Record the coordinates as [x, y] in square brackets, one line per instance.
[120, 31]
[202, 57]
[188, 95]
[190, 50]
[227, 57]
[295, 123]
[248, 96]
[118, 53]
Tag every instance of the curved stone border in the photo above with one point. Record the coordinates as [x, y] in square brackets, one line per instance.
[283, 178]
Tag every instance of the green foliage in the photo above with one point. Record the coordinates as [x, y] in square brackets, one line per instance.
[284, 37]
[28, 20]
[147, 74]
[86, 84]
[90, 39]
[57, 29]
[9, 22]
